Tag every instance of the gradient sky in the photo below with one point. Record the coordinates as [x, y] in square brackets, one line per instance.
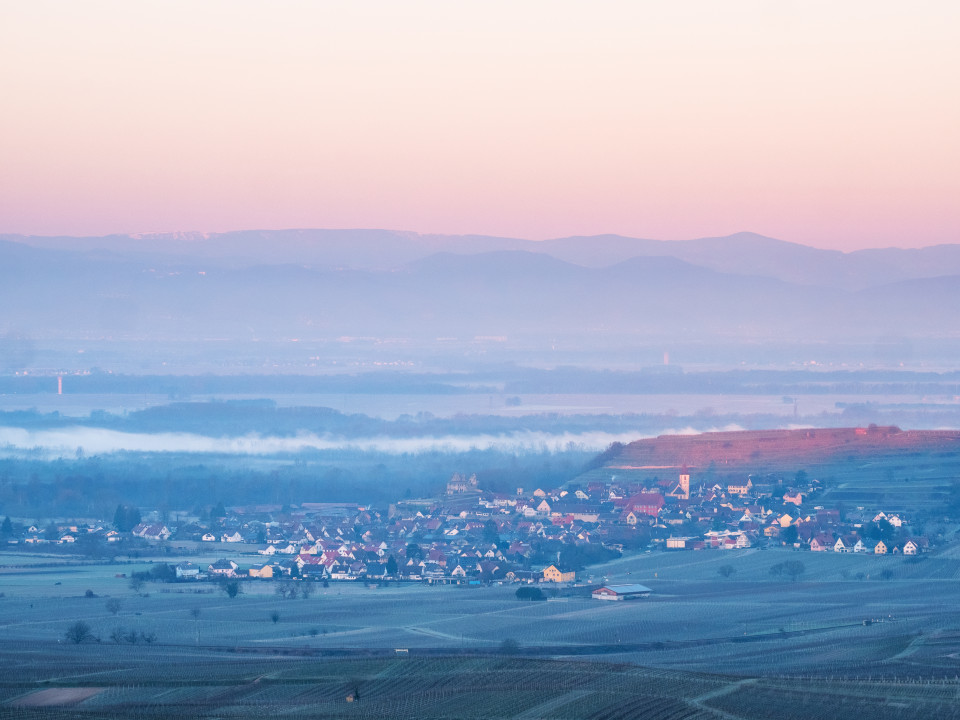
[832, 124]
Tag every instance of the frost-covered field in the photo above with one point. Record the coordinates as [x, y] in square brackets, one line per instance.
[700, 643]
[694, 616]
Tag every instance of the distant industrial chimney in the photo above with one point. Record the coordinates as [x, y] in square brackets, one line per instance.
[666, 357]
[59, 384]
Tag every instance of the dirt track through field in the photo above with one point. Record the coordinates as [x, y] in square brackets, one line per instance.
[543, 709]
[726, 689]
[56, 696]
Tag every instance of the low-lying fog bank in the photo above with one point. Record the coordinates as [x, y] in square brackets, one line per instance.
[73, 441]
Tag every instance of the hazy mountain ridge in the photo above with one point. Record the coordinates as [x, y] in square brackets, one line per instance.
[741, 253]
[508, 292]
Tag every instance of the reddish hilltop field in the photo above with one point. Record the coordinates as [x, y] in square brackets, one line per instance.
[772, 448]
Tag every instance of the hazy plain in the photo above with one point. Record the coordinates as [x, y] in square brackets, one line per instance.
[391, 406]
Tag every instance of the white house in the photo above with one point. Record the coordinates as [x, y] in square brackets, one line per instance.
[187, 571]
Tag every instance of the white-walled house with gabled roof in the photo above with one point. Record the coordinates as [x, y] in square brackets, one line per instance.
[187, 571]
[223, 567]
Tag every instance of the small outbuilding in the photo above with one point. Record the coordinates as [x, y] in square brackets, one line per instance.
[621, 592]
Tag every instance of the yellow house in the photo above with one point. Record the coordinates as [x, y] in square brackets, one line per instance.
[554, 574]
[266, 571]
[785, 520]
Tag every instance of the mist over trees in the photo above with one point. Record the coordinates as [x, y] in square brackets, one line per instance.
[111, 486]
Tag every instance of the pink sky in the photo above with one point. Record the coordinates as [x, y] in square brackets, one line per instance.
[829, 124]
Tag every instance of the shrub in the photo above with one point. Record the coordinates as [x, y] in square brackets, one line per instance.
[231, 587]
[123, 635]
[530, 593]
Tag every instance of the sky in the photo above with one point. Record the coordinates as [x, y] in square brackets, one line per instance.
[832, 124]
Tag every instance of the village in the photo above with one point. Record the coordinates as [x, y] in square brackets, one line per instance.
[469, 535]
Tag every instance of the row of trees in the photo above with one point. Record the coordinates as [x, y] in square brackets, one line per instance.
[791, 568]
[81, 632]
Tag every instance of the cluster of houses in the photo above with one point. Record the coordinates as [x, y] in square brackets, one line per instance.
[471, 535]
[743, 514]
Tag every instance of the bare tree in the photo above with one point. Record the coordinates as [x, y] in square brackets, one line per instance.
[78, 633]
[794, 569]
[287, 589]
[195, 614]
[113, 605]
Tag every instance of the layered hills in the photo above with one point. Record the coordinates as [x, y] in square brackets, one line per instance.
[604, 290]
[738, 254]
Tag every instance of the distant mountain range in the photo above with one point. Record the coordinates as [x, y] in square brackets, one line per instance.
[327, 283]
[739, 254]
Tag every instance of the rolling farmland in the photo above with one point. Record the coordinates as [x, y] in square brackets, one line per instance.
[702, 646]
